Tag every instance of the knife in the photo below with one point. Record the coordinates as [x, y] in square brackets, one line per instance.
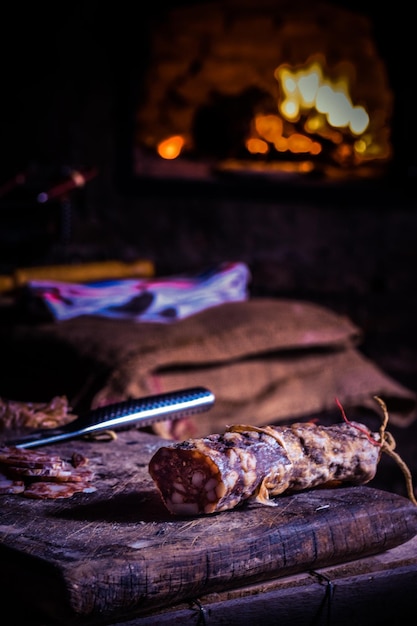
[139, 412]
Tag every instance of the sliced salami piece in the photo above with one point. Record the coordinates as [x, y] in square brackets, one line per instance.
[43, 490]
[61, 474]
[219, 472]
[10, 486]
[20, 457]
[41, 475]
[18, 416]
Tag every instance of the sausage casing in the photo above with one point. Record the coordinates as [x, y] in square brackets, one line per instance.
[221, 471]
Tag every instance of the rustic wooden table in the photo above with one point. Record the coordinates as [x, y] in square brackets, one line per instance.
[116, 556]
[375, 591]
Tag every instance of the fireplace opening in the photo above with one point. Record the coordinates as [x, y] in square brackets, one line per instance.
[283, 92]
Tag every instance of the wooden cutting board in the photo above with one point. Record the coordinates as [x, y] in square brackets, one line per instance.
[118, 553]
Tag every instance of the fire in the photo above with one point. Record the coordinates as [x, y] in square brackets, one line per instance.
[322, 105]
[311, 105]
[171, 147]
[270, 129]
[274, 83]
[309, 90]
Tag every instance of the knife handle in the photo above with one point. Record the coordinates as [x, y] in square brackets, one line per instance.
[146, 411]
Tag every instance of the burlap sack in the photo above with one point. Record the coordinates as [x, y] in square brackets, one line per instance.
[266, 360]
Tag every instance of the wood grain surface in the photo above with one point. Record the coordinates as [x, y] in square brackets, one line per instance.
[117, 552]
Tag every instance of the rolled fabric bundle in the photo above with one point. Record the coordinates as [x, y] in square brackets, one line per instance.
[161, 300]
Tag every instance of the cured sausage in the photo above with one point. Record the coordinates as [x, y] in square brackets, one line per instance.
[221, 471]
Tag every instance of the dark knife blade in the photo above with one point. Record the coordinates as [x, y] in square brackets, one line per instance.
[139, 412]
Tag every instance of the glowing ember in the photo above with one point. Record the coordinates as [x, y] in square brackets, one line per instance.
[171, 148]
[270, 129]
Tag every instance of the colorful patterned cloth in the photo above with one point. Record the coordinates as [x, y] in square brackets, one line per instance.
[144, 300]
